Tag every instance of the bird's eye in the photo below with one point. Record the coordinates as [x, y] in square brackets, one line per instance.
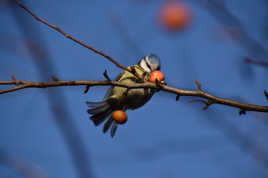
[148, 65]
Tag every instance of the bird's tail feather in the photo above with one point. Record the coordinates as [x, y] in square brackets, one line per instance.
[100, 112]
[107, 125]
[113, 129]
[100, 117]
[99, 109]
[95, 104]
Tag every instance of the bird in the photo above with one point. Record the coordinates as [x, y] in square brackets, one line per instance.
[120, 98]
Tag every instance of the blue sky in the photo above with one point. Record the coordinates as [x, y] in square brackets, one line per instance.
[164, 138]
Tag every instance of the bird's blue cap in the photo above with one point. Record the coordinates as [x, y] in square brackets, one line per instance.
[150, 63]
[155, 60]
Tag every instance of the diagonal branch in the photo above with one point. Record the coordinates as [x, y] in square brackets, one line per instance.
[22, 167]
[61, 115]
[179, 92]
[196, 93]
[219, 10]
[72, 38]
[259, 63]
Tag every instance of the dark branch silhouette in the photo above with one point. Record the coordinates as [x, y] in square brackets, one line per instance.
[22, 167]
[211, 99]
[243, 107]
[73, 39]
[62, 116]
[218, 9]
[255, 62]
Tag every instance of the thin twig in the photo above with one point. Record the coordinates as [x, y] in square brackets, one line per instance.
[266, 94]
[22, 167]
[61, 115]
[86, 89]
[206, 103]
[106, 76]
[259, 63]
[177, 97]
[72, 38]
[219, 10]
[198, 85]
[124, 34]
[197, 93]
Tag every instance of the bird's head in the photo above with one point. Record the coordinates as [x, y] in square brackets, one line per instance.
[150, 63]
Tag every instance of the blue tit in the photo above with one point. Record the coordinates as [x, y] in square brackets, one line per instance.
[120, 98]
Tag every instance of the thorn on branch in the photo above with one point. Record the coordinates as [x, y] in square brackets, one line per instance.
[55, 79]
[13, 78]
[86, 89]
[105, 74]
[242, 112]
[198, 85]
[178, 97]
[266, 94]
[206, 103]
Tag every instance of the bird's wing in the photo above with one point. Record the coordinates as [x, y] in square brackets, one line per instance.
[108, 93]
[125, 75]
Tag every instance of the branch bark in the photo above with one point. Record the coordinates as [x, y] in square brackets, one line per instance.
[58, 29]
[243, 107]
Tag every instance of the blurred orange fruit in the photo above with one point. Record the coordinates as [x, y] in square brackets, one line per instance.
[175, 15]
[156, 75]
[119, 116]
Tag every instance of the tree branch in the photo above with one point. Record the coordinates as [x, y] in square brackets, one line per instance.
[197, 93]
[22, 167]
[179, 92]
[219, 10]
[61, 115]
[259, 63]
[73, 39]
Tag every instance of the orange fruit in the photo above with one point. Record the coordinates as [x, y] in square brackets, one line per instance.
[156, 75]
[119, 116]
[175, 15]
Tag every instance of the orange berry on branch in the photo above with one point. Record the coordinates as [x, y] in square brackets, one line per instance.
[119, 116]
[156, 76]
[175, 15]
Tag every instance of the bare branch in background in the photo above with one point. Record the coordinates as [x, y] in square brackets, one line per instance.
[241, 111]
[198, 85]
[124, 34]
[23, 168]
[218, 9]
[216, 100]
[255, 62]
[72, 38]
[62, 116]
[197, 93]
